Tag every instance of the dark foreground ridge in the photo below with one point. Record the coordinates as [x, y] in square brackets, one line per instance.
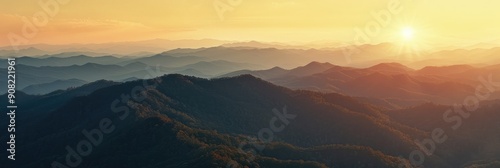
[182, 121]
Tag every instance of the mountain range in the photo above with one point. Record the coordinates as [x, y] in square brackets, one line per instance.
[252, 104]
[171, 127]
[392, 83]
[53, 73]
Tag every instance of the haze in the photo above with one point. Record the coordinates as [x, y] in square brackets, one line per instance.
[436, 23]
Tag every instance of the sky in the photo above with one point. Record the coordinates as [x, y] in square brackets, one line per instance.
[443, 22]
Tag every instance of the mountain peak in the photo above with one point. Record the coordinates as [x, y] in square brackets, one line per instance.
[393, 67]
[315, 63]
[445, 69]
[136, 65]
[277, 68]
[311, 68]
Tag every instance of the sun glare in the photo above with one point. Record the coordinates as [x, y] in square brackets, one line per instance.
[408, 33]
[411, 41]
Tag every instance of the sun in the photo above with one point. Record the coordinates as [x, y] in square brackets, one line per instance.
[408, 33]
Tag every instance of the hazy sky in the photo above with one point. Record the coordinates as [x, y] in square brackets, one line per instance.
[97, 21]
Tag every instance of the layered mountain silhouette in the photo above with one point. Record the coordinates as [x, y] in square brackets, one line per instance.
[52, 86]
[68, 61]
[394, 83]
[171, 122]
[250, 104]
[187, 121]
[270, 54]
[44, 75]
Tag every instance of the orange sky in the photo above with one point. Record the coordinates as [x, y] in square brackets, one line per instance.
[98, 21]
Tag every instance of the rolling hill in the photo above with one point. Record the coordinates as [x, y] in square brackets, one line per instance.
[392, 82]
[172, 123]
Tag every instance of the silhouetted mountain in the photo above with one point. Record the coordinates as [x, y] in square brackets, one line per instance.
[121, 48]
[67, 61]
[35, 76]
[265, 74]
[444, 70]
[257, 44]
[218, 67]
[30, 51]
[25, 79]
[472, 137]
[167, 60]
[268, 57]
[391, 68]
[192, 122]
[394, 84]
[36, 107]
[75, 52]
[485, 56]
[268, 54]
[87, 72]
[277, 72]
[30, 76]
[200, 123]
[52, 86]
[352, 55]
[192, 72]
[311, 68]
[130, 79]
